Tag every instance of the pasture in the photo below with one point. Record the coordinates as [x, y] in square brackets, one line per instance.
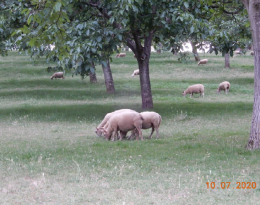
[49, 153]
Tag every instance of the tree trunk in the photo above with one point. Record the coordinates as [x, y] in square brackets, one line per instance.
[108, 78]
[227, 60]
[195, 51]
[253, 9]
[92, 76]
[146, 92]
[143, 57]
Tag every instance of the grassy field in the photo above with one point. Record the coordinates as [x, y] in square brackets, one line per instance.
[49, 153]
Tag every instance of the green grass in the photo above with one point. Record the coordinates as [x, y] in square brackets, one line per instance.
[49, 153]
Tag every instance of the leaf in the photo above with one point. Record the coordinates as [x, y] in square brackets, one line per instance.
[191, 29]
[186, 4]
[31, 42]
[99, 38]
[57, 6]
[29, 20]
[92, 70]
[104, 63]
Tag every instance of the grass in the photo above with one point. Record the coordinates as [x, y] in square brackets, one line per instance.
[49, 153]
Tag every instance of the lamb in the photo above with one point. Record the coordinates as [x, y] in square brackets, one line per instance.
[136, 72]
[124, 121]
[100, 127]
[223, 86]
[57, 75]
[197, 88]
[151, 120]
[120, 55]
[203, 61]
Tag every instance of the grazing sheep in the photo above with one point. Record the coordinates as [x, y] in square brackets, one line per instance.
[151, 120]
[203, 61]
[123, 122]
[252, 53]
[57, 75]
[100, 127]
[120, 55]
[197, 88]
[136, 72]
[238, 52]
[223, 86]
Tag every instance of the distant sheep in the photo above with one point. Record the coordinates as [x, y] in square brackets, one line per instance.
[252, 53]
[223, 86]
[136, 72]
[57, 75]
[197, 88]
[238, 52]
[120, 55]
[203, 61]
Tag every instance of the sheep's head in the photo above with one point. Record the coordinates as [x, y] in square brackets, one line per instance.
[105, 133]
[98, 132]
[184, 93]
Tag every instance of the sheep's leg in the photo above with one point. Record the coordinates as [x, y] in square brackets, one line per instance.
[151, 132]
[140, 133]
[157, 132]
[114, 133]
[133, 133]
[138, 127]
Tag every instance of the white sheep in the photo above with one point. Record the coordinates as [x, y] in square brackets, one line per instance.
[238, 52]
[203, 61]
[150, 120]
[120, 55]
[223, 86]
[123, 122]
[100, 127]
[136, 72]
[57, 75]
[197, 88]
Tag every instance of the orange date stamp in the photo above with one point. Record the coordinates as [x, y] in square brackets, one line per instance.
[227, 185]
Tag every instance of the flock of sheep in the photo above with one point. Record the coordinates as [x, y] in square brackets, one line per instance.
[125, 120]
[115, 125]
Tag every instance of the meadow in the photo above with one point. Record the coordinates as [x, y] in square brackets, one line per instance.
[49, 153]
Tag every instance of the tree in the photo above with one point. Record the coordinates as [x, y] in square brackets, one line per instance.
[253, 9]
[135, 23]
[230, 24]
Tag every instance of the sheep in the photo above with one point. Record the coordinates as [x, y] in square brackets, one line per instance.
[203, 61]
[252, 53]
[238, 52]
[57, 75]
[197, 88]
[223, 86]
[100, 127]
[136, 72]
[151, 120]
[120, 55]
[124, 121]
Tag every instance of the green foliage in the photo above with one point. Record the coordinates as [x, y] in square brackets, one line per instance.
[230, 29]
